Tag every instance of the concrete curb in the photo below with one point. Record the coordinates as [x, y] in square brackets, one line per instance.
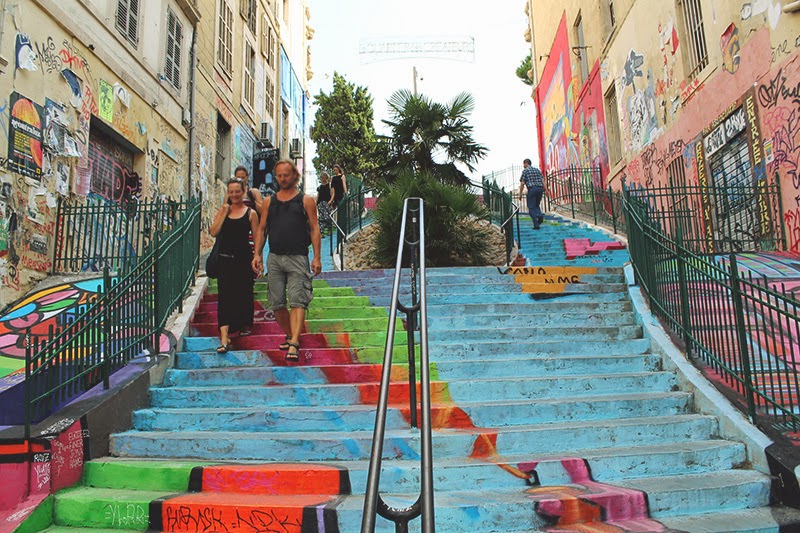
[707, 399]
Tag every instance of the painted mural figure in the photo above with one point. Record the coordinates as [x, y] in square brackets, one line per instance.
[290, 219]
[532, 179]
[232, 226]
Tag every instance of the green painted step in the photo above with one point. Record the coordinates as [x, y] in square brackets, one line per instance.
[172, 476]
[314, 313]
[105, 508]
[261, 292]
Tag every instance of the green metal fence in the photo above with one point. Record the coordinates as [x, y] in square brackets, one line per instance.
[348, 216]
[718, 219]
[123, 321]
[503, 212]
[97, 233]
[573, 191]
[744, 329]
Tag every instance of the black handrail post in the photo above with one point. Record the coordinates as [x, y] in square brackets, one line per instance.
[106, 311]
[611, 203]
[411, 322]
[741, 330]
[571, 190]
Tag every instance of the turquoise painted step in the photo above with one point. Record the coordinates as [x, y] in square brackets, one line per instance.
[456, 350]
[533, 307]
[534, 331]
[362, 417]
[491, 298]
[490, 322]
[305, 446]
[229, 395]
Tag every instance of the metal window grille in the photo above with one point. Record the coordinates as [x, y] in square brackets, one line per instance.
[172, 63]
[695, 35]
[225, 37]
[614, 143]
[128, 20]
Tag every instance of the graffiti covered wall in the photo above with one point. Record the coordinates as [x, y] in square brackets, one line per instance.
[74, 124]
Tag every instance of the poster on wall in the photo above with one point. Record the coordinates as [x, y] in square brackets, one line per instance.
[25, 137]
[106, 102]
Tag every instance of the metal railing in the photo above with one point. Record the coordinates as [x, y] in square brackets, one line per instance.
[346, 218]
[735, 217]
[374, 504]
[574, 191]
[743, 328]
[123, 321]
[98, 233]
[503, 212]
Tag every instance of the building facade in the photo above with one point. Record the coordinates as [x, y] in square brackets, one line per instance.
[673, 93]
[130, 100]
[95, 105]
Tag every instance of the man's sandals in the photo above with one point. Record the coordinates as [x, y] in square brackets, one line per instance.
[293, 353]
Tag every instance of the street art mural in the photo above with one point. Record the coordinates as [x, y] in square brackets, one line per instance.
[556, 102]
[45, 309]
[777, 104]
[572, 117]
[729, 44]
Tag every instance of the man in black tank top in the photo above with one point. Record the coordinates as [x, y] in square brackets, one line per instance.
[290, 219]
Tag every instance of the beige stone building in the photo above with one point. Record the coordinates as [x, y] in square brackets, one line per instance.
[118, 100]
[96, 97]
[673, 93]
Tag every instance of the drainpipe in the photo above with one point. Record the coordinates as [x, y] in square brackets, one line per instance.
[534, 57]
[192, 82]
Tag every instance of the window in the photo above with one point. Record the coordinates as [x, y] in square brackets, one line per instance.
[223, 166]
[128, 20]
[696, 53]
[612, 125]
[225, 37]
[172, 63]
[269, 95]
[611, 16]
[581, 48]
[265, 29]
[247, 9]
[249, 75]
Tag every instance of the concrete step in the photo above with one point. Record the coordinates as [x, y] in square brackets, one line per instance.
[454, 350]
[334, 394]
[697, 493]
[206, 324]
[355, 445]
[533, 331]
[256, 369]
[362, 417]
[533, 307]
[537, 320]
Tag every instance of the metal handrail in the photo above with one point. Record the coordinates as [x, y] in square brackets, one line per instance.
[340, 242]
[514, 215]
[373, 502]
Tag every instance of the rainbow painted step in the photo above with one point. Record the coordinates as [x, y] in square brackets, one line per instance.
[533, 391]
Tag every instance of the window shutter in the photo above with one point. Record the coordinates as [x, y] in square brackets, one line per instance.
[127, 20]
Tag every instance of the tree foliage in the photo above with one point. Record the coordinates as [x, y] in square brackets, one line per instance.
[429, 137]
[450, 237]
[343, 129]
[523, 69]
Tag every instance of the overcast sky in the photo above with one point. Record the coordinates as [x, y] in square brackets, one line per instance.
[503, 119]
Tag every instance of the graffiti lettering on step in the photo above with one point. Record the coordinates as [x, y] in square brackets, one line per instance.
[125, 515]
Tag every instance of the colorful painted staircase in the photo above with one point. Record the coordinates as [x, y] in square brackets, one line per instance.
[550, 413]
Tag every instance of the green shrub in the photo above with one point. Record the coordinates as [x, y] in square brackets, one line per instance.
[451, 236]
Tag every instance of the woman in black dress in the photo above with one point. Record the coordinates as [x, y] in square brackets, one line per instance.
[338, 185]
[324, 202]
[232, 226]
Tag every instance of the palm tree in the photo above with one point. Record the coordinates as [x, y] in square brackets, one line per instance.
[427, 136]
